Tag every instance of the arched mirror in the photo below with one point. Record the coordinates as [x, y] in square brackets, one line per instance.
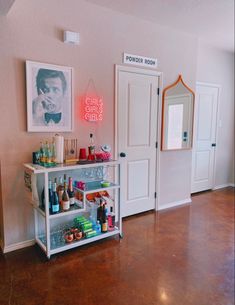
[177, 116]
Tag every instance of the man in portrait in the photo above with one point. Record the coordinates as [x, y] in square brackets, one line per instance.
[49, 104]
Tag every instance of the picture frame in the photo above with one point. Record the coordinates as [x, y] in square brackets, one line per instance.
[50, 100]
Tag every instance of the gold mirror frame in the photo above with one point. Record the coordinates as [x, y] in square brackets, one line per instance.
[179, 80]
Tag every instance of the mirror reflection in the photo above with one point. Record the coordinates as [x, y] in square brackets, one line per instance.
[177, 116]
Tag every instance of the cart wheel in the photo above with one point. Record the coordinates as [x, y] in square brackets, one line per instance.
[121, 235]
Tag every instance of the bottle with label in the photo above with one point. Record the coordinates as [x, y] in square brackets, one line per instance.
[60, 189]
[111, 220]
[71, 192]
[55, 207]
[65, 199]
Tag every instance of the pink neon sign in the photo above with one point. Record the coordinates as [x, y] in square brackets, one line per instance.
[93, 109]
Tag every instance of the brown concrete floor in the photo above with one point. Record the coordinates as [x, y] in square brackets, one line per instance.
[182, 256]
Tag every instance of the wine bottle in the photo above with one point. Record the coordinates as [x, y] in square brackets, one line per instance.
[50, 195]
[60, 189]
[43, 203]
[55, 207]
[100, 211]
[65, 199]
[71, 192]
[111, 220]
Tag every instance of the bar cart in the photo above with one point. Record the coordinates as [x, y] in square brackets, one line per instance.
[98, 178]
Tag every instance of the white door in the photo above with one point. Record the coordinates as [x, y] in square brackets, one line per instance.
[137, 111]
[206, 108]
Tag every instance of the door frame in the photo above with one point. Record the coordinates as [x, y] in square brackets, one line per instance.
[122, 68]
[217, 123]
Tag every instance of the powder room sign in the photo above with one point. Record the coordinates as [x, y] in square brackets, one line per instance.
[139, 60]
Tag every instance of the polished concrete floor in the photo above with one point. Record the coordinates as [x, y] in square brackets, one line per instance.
[181, 256]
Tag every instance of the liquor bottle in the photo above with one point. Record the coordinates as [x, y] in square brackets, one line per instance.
[100, 211]
[104, 222]
[111, 220]
[91, 148]
[55, 207]
[65, 199]
[50, 195]
[71, 192]
[60, 189]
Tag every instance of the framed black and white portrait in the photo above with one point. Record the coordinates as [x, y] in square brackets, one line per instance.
[49, 97]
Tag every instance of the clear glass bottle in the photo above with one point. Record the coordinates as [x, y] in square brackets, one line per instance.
[65, 203]
[53, 151]
[91, 147]
[42, 153]
[47, 153]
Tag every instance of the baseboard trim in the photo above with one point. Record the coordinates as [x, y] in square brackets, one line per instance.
[18, 246]
[222, 186]
[174, 204]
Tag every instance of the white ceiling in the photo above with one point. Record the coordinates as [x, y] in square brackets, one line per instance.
[210, 20]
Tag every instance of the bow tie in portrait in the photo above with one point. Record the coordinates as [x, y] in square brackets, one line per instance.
[56, 117]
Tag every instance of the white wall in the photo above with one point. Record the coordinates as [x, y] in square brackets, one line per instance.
[217, 66]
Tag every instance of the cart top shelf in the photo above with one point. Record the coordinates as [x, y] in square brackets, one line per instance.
[38, 169]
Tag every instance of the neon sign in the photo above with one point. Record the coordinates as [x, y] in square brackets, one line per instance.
[93, 109]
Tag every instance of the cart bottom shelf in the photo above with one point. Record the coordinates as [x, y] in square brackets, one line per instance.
[58, 243]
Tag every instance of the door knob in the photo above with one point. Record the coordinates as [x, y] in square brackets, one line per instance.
[213, 144]
[122, 155]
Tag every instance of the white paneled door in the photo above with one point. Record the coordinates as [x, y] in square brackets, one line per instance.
[203, 163]
[137, 111]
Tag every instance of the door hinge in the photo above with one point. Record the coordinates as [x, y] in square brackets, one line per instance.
[158, 91]
[155, 195]
[156, 144]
